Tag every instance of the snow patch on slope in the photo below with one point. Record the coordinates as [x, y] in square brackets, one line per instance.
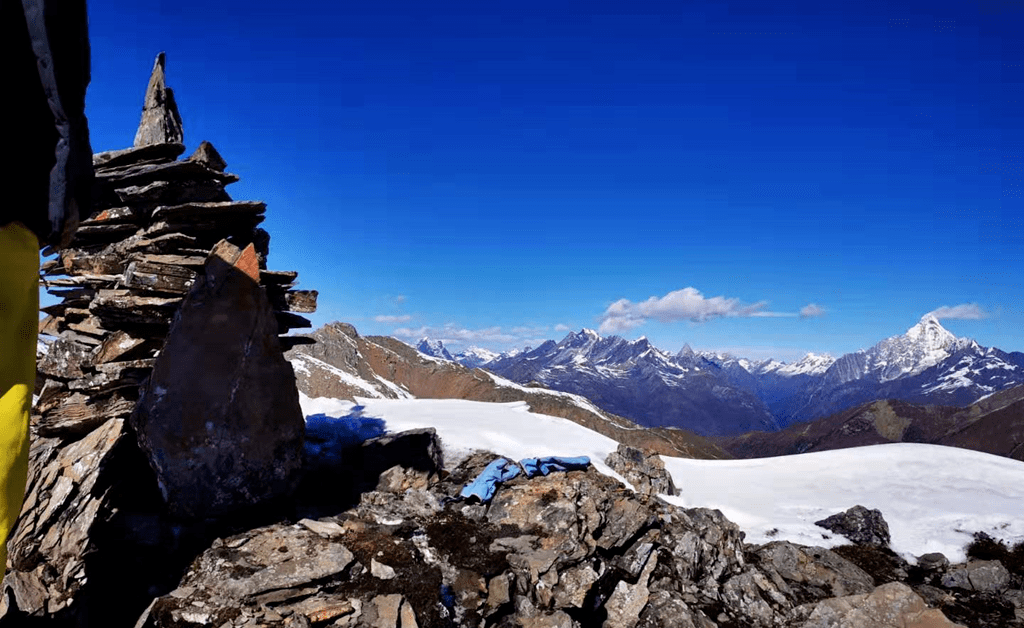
[933, 497]
[301, 362]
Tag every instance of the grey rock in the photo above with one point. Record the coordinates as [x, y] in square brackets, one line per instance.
[146, 197]
[892, 605]
[815, 567]
[407, 616]
[64, 504]
[275, 565]
[754, 598]
[934, 561]
[667, 610]
[209, 156]
[957, 579]
[214, 450]
[380, 570]
[705, 547]
[988, 575]
[161, 122]
[934, 596]
[860, 525]
[130, 156]
[65, 359]
[644, 470]
[627, 600]
[573, 585]
[178, 172]
[387, 608]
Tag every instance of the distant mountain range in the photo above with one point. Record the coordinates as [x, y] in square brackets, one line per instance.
[717, 394]
[341, 364]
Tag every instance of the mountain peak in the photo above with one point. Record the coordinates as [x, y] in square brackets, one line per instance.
[433, 348]
[930, 331]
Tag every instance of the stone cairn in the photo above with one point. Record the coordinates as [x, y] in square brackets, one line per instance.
[134, 259]
[163, 246]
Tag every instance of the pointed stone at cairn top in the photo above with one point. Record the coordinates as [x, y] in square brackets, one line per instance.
[208, 155]
[161, 122]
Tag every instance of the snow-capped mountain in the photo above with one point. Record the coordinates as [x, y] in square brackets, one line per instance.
[810, 364]
[923, 346]
[639, 381]
[927, 364]
[715, 393]
[434, 349]
[474, 357]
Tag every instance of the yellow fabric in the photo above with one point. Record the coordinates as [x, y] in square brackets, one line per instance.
[19, 329]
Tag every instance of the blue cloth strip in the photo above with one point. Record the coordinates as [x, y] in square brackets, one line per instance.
[502, 470]
[485, 484]
[544, 466]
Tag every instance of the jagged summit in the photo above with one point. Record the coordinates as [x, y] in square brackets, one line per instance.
[433, 348]
[930, 331]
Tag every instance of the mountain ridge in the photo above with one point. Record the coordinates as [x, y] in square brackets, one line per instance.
[714, 393]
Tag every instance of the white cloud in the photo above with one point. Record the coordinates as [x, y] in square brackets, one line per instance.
[393, 318]
[400, 299]
[964, 311]
[561, 327]
[679, 305]
[811, 310]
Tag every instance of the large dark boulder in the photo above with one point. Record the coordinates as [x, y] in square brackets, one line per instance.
[220, 419]
[859, 524]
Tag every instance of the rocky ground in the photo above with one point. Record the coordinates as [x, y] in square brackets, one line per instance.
[566, 550]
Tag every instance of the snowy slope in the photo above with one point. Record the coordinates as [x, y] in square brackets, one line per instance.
[932, 497]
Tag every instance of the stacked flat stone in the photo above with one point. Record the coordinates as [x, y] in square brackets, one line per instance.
[154, 222]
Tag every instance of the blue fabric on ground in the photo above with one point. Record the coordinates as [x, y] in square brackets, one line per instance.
[502, 470]
[544, 466]
[485, 484]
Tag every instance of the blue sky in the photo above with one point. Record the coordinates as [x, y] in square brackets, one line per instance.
[494, 173]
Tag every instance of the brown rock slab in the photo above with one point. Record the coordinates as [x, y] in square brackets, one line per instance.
[130, 156]
[115, 346]
[145, 174]
[220, 420]
[161, 122]
[209, 211]
[296, 300]
[111, 216]
[80, 413]
[115, 307]
[166, 278]
[146, 197]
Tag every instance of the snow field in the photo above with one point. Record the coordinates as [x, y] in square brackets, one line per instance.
[932, 497]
